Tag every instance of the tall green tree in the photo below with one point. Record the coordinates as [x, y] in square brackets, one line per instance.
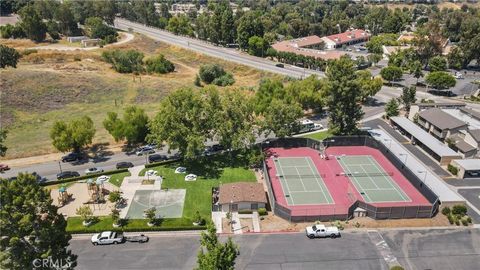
[437, 63]
[32, 229]
[32, 24]
[64, 16]
[214, 254]
[440, 80]
[416, 70]
[72, 135]
[249, 25]
[180, 25]
[228, 27]
[3, 147]
[344, 97]
[456, 58]
[257, 46]
[391, 108]
[8, 56]
[391, 73]
[268, 90]
[133, 127]
[369, 86]
[184, 121]
[281, 118]
[408, 97]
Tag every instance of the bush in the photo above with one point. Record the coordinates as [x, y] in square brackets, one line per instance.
[262, 211]
[208, 73]
[114, 196]
[440, 80]
[12, 31]
[460, 210]
[126, 61]
[446, 211]
[452, 169]
[451, 219]
[245, 211]
[198, 219]
[396, 267]
[457, 222]
[85, 212]
[464, 222]
[224, 80]
[469, 219]
[77, 58]
[151, 215]
[159, 64]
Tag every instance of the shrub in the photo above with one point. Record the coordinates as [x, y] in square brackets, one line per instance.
[451, 219]
[464, 222]
[85, 212]
[127, 61]
[245, 211]
[457, 222]
[396, 267]
[12, 31]
[151, 215]
[197, 81]
[262, 211]
[198, 219]
[440, 80]
[224, 80]
[114, 196]
[115, 215]
[459, 209]
[77, 58]
[210, 72]
[452, 169]
[469, 219]
[159, 64]
[446, 211]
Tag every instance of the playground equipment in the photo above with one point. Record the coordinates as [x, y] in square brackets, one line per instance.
[63, 196]
[96, 190]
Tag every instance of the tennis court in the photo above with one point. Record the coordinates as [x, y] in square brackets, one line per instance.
[371, 180]
[301, 182]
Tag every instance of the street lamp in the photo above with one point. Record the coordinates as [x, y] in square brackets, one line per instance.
[405, 161]
[425, 177]
[60, 165]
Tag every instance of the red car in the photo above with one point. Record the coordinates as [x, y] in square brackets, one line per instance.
[4, 167]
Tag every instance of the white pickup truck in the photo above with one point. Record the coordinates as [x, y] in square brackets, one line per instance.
[320, 230]
[107, 237]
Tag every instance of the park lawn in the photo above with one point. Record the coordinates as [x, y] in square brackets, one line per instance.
[321, 135]
[74, 224]
[117, 179]
[199, 193]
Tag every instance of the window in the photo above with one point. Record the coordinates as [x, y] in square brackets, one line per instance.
[254, 206]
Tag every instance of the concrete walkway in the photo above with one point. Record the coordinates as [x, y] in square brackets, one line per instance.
[217, 220]
[237, 226]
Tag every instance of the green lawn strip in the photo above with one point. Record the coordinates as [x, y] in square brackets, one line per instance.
[321, 135]
[117, 179]
[74, 225]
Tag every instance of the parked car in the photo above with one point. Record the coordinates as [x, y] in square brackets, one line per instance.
[218, 147]
[145, 150]
[103, 178]
[93, 170]
[39, 178]
[458, 75]
[280, 65]
[124, 165]
[156, 158]
[108, 237]
[71, 157]
[67, 174]
[151, 173]
[4, 167]
[320, 230]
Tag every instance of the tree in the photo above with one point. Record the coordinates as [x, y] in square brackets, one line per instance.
[281, 118]
[35, 29]
[185, 120]
[95, 28]
[456, 58]
[159, 64]
[440, 80]
[32, 229]
[64, 16]
[268, 90]
[437, 63]
[86, 213]
[129, 61]
[209, 72]
[416, 69]
[249, 25]
[228, 28]
[391, 73]
[8, 57]
[3, 147]
[12, 31]
[180, 25]
[429, 41]
[73, 135]
[257, 46]
[369, 85]
[374, 58]
[309, 93]
[408, 97]
[235, 128]
[216, 255]
[343, 98]
[133, 127]
[391, 108]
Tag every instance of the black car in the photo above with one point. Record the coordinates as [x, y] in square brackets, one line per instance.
[217, 147]
[67, 174]
[156, 158]
[39, 178]
[71, 157]
[279, 65]
[124, 165]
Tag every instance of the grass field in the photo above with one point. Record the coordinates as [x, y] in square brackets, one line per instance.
[319, 135]
[54, 85]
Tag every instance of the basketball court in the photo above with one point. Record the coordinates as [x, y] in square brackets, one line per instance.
[371, 180]
[301, 182]
[169, 203]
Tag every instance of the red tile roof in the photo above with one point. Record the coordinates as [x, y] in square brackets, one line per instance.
[356, 34]
[323, 54]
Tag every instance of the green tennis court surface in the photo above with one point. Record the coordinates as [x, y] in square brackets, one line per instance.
[301, 182]
[370, 180]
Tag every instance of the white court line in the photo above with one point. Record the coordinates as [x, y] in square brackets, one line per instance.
[345, 167]
[371, 179]
[316, 179]
[392, 182]
[303, 185]
[286, 184]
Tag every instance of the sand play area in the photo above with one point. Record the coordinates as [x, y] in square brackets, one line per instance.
[77, 195]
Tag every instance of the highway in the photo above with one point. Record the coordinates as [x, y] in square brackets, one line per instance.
[227, 54]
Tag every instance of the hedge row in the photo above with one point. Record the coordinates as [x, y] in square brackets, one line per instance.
[73, 179]
[140, 229]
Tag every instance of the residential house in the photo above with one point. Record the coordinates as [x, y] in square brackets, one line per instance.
[240, 196]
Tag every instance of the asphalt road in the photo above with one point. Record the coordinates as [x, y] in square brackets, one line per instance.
[423, 249]
[227, 54]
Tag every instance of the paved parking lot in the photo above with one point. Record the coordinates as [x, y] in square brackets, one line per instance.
[473, 196]
[423, 249]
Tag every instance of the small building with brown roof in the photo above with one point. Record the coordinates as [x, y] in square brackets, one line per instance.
[241, 195]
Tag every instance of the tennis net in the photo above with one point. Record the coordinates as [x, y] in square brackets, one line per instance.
[365, 174]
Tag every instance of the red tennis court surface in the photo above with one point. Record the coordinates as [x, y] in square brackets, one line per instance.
[340, 187]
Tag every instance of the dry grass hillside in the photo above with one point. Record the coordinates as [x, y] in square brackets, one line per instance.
[50, 85]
